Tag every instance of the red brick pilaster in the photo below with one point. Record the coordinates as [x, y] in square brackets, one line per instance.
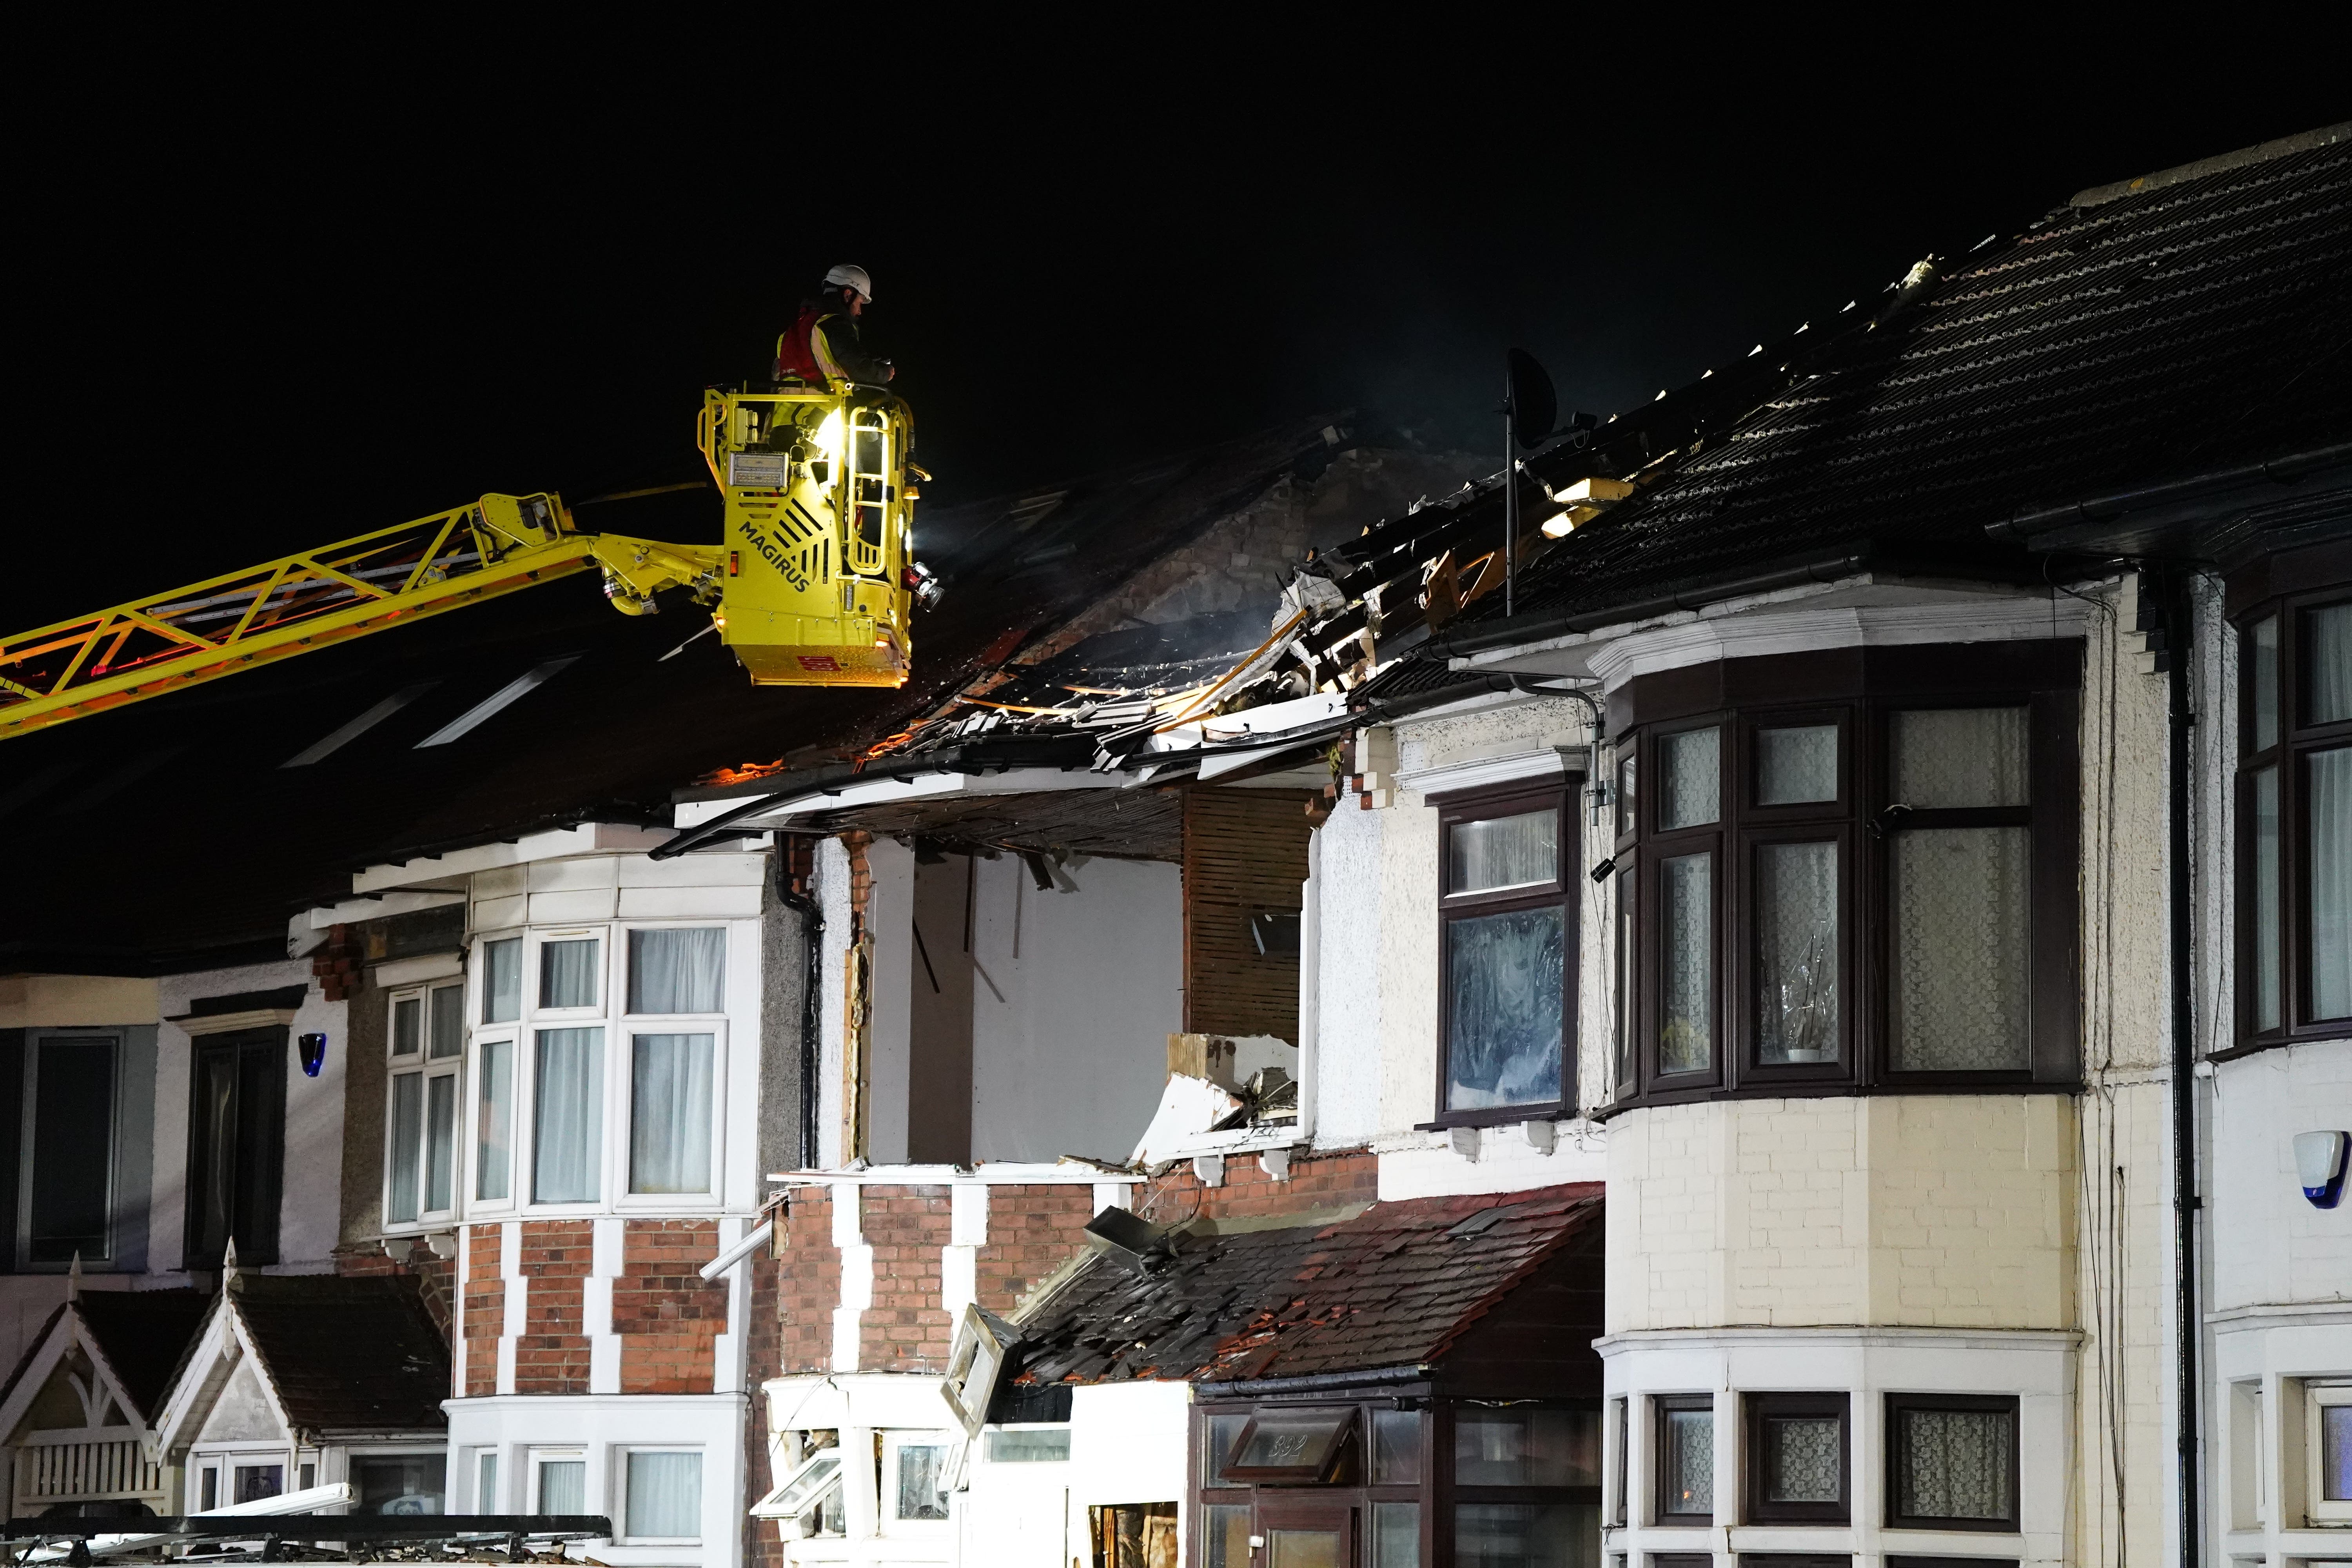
[665, 1311]
[551, 1352]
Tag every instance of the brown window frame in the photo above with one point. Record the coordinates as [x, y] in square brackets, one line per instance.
[1329, 1459]
[1661, 1517]
[2289, 753]
[1755, 1409]
[1896, 1404]
[1354, 1485]
[1560, 794]
[1860, 689]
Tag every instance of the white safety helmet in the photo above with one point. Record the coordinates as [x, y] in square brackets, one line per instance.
[849, 277]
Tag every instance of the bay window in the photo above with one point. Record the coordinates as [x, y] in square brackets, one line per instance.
[1507, 914]
[1853, 868]
[596, 1070]
[2295, 820]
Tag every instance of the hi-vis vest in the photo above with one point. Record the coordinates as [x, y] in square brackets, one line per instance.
[801, 354]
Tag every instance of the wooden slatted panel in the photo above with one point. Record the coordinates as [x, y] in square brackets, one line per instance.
[68, 1472]
[1244, 849]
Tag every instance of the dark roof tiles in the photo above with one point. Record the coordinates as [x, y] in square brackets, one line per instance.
[1394, 1286]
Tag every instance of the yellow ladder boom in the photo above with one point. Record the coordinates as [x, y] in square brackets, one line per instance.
[314, 598]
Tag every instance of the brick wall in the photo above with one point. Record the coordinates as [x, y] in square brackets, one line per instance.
[1032, 1231]
[808, 1284]
[435, 1276]
[485, 1308]
[905, 1330]
[665, 1311]
[551, 1352]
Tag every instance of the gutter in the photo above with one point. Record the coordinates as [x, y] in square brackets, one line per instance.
[1314, 1383]
[2024, 523]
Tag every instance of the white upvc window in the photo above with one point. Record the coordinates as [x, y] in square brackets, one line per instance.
[2327, 1448]
[661, 1496]
[598, 1067]
[427, 1051]
[558, 1480]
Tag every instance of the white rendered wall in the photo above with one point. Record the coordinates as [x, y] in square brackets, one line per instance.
[310, 1209]
[1073, 1058]
[833, 1021]
[889, 915]
[1348, 1013]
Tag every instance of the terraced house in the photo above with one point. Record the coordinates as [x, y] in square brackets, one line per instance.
[1794, 1009]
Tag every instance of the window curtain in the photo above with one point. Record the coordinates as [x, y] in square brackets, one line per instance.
[1797, 765]
[569, 1123]
[664, 1496]
[567, 973]
[441, 1143]
[1948, 758]
[2331, 664]
[1503, 1028]
[1954, 1464]
[502, 981]
[1686, 1042]
[1796, 952]
[1960, 963]
[670, 1113]
[678, 971]
[1503, 852]
[493, 1152]
[1690, 787]
[2330, 872]
[563, 1486]
[407, 1140]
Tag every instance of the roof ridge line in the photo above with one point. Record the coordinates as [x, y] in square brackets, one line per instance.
[2261, 153]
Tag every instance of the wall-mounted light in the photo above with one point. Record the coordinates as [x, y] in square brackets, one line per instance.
[314, 1054]
[2319, 1163]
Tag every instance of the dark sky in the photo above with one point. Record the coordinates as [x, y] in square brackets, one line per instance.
[266, 300]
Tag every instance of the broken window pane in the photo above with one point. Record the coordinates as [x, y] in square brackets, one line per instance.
[1796, 952]
[1796, 764]
[922, 1489]
[1503, 852]
[1503, 1019]
[1686, 948]
[1960, 930]
[1959, 757]
[1690, 782]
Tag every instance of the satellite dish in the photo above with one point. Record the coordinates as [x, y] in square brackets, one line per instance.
[1534, 404]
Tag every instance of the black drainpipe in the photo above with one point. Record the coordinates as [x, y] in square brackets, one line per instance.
[2185, 1198]
[813, 933]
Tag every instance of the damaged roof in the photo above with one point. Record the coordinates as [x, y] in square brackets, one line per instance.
[2164, 327]
[1448, 1284]
[180, 833]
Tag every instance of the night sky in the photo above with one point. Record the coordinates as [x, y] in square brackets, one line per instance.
[265, 301]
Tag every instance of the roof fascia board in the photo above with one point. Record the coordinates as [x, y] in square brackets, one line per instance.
[40, 1364]
[216, 1350]
[352, 911]
[558, 844]
[692, 814]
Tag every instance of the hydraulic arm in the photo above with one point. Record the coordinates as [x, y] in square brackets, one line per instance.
[814, 586]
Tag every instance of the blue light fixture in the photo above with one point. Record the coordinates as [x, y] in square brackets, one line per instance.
[2319, 1162]
[314, 1054]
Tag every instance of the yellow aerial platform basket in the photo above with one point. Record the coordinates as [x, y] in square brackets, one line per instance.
[817, 581]
[814, 585]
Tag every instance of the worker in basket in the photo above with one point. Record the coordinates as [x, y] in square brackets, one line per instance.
[822, 341]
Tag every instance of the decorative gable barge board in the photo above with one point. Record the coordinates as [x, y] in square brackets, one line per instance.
[1244, 849]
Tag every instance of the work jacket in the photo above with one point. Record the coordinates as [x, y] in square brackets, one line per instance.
[822, 344]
